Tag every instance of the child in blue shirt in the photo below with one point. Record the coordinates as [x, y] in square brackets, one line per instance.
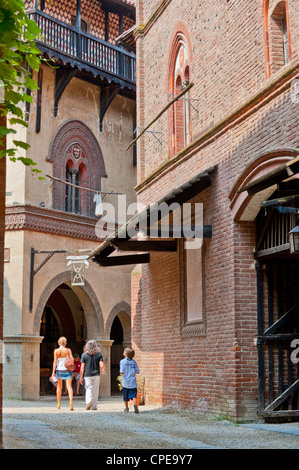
[128, 370]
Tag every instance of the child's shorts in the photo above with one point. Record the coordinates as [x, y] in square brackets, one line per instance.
[129, 393]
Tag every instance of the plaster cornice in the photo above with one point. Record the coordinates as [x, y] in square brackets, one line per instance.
[37, 219]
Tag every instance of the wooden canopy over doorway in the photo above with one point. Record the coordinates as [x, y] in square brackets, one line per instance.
[276, 176]
[123, 241]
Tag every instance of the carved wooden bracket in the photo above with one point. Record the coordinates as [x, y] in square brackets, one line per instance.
[63, 78]
[107, 95]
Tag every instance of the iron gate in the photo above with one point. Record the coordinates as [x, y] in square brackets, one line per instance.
[278, 338]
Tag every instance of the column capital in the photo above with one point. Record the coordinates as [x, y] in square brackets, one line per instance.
[105, 342]
[22, 339]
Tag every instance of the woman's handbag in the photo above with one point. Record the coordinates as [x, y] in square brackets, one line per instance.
[69, 364]
[53, 380]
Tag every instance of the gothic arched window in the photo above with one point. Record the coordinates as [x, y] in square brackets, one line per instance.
[77, 160]
[277, 36]
[180, 114]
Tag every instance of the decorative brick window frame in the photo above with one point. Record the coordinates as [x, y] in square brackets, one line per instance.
[176, 115]
[273, 35]
[90, 161]
[198, 327]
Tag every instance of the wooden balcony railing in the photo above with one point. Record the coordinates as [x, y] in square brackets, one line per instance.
[84, 47]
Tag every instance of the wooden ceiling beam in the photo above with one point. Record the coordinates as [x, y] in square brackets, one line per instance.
[122, 260]
[145, 245]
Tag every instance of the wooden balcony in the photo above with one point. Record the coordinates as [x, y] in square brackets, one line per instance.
[84, 51]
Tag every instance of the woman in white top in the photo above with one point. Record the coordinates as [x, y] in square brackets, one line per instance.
[61, 372]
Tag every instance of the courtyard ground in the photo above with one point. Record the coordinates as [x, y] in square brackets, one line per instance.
[39, 425]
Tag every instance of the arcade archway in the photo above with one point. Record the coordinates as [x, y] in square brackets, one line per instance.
[62, 310]
[63, 315]
[118, 327]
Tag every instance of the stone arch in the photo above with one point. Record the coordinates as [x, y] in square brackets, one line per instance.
[123, 310]
[57, 301]
[245, 207]
[74, 131]
[87, 297]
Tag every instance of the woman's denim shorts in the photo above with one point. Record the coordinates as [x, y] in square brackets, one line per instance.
[64, 375]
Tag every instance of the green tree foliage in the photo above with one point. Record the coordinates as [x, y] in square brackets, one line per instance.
[18, 54]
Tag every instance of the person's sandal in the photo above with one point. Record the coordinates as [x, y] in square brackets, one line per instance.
[71, 407]
[58, 406]
[126, 410]
[88, 406]
[136, 409]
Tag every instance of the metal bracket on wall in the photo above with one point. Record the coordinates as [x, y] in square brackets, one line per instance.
[190, 104]
[35, 271]
[171, 95]
[161, 112]
[151, 132]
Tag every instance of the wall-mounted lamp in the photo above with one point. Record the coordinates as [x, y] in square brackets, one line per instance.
[294, 240]
[32, 357]
[7, 358]
[78, 266]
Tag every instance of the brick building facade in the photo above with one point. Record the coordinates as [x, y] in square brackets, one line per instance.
[238, 123]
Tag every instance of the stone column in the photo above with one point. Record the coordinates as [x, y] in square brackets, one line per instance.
[22, 366]
[105, 385]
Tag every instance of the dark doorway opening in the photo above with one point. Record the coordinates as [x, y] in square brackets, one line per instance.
[116, 353]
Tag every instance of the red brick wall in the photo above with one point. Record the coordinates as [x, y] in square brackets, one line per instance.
[199, 372]
[224, 69]
[241, 114]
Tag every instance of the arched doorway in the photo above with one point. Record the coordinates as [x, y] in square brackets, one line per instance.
[63, 315]
[118, 329]
[117, 349]
[86, 302]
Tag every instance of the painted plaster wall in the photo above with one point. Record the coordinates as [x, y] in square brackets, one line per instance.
[110, 286]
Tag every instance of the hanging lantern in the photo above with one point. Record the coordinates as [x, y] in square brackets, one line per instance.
[78, 266]
[294, 240]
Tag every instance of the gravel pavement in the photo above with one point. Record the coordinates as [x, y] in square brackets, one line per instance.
[39, 425]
